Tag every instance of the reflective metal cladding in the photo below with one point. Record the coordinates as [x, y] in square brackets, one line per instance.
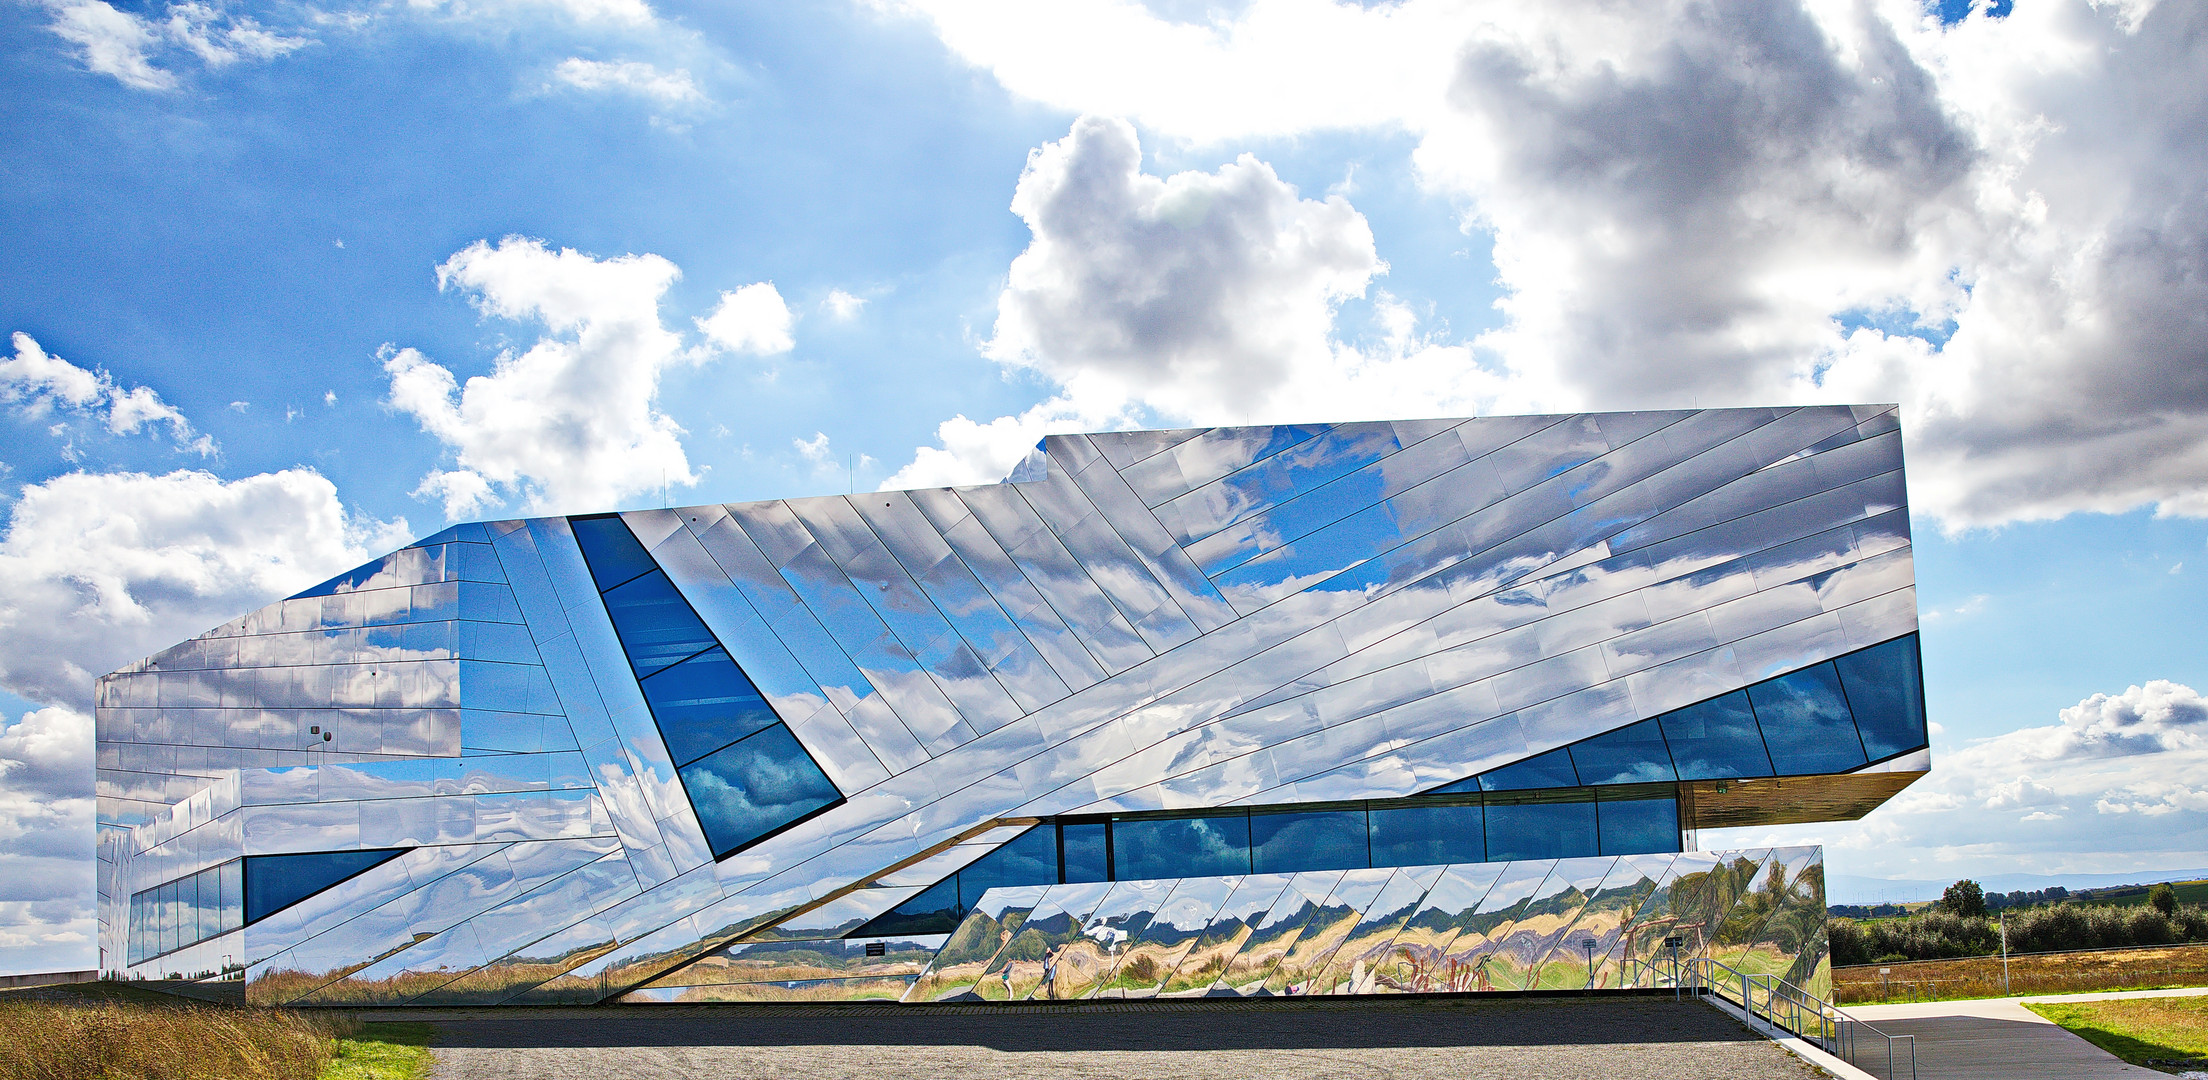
[1332, 708]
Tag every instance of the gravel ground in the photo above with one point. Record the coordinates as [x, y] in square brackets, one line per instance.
[1523, 1039]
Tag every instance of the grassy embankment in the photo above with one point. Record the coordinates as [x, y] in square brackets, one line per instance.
[2042, 973]
[2160, 1033]
[106, 1031]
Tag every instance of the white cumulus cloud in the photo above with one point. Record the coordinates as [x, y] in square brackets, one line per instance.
[753, 319]
[1196, 298]
[573, 421]
[1997, 223]
[97, 569]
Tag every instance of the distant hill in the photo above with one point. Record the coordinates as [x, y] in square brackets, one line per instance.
[1852, 889]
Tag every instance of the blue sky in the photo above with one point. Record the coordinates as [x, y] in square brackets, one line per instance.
[257, 250]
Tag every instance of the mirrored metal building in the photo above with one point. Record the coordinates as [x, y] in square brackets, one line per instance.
[1352, 708]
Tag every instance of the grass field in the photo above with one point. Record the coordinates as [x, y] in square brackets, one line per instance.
[116, 1031]
[2188, 892]
[382, 1052]
[2159, 1033]
[2040, 973]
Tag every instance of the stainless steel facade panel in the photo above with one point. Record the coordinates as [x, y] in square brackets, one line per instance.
[1138, 622]
[1073, 595]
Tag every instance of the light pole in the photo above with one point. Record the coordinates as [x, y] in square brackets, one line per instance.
[2004, 954]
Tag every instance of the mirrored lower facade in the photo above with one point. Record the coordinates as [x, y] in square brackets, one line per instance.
[1550, 924]
[1389, 707]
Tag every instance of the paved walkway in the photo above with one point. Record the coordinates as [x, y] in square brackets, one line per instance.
[1999, 1039]
[1608, 1038]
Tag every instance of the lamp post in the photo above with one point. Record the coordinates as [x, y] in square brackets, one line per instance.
[2004, 954]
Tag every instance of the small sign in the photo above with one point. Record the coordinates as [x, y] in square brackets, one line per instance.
[1587, 944]
[1885, 971]
[1674, 941]
[877, 948]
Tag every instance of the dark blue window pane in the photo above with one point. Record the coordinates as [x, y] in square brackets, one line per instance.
[611, 550]
[1319, 840]
[1885, 688]
[1030, 858]
[1085, 854]
[703, 704]
[935, 911]
[1180, 847]
[757, 787]
[1639, 826]
[1553, 769]
[1806, 724]
[655, 623]
[275, 882]
[1633, 754]
[1716, 739]
[1540, 830]
[1428, 835]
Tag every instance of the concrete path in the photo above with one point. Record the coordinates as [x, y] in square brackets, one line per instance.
[1608, 1038]
[1997, 1039]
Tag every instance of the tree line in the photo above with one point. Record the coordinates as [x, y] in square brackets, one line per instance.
[1960, 925]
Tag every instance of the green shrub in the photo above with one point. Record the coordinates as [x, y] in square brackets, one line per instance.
[1939, 934]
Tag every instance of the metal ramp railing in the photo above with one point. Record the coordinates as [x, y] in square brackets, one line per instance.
[1782, 1006]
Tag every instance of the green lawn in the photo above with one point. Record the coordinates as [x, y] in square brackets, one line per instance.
[2160, 1033]
[382, 1052]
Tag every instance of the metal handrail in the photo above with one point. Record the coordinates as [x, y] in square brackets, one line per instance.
[1788, 1007]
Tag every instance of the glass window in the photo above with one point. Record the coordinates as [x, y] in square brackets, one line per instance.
[1428, 835]
[1030, 858]
[1316, 840]
[1638, 826]
[611, 550]
[275, 882]
[655, 624]
[1550, 770]
[1716, 739]
[933, 911]
[171, 920]
[704, 704]
[1085, 855]
[1633, 754]
[1806, 724]
[1885, 688]
[1541, 827]
[232, 874]
[187, 910]
[752, 789]
[1180, 847]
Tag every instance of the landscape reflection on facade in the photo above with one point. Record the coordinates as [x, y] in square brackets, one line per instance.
[1362, 708]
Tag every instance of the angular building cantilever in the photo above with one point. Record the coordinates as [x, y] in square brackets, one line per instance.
[1162, 702]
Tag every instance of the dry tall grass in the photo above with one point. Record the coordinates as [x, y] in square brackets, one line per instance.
[2038, 973]
[108, 1041]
